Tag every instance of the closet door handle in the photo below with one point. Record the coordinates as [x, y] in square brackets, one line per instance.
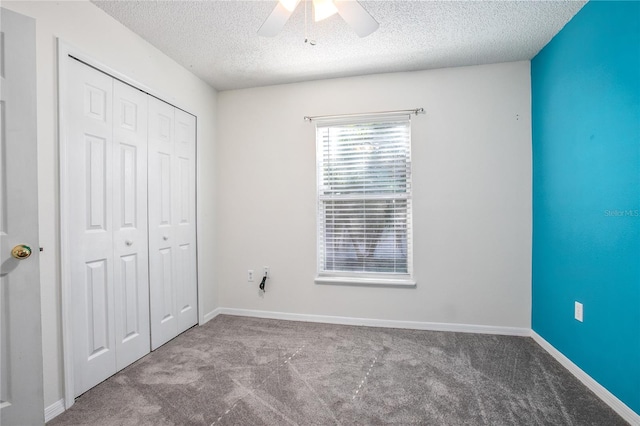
[129, 243]
[165, 237]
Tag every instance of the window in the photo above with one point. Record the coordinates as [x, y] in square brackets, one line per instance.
[364, 201]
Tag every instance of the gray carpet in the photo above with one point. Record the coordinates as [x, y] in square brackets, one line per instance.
[248, 371]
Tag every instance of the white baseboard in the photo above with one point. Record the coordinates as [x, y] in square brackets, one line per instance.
[210, 315]
[54, 410]
[413, 325]
[610, 399]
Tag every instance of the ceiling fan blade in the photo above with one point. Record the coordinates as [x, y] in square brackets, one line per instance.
[275, 22]
[355, 15]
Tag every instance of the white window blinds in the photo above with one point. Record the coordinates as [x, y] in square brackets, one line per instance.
[364, 197]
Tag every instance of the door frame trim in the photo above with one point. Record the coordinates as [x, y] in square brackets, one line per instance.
[64, 51]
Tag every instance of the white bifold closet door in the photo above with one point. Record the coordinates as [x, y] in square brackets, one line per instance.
[172, 228]
[106, 158]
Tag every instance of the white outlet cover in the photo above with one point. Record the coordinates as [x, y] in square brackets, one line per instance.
[578, 311]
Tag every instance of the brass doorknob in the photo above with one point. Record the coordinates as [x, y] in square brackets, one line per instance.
[21, 252]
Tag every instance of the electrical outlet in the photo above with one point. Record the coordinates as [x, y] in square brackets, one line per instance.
[265, 271]
[250, 275]
[578, 311]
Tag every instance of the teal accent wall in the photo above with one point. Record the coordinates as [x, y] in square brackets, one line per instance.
[586, 194]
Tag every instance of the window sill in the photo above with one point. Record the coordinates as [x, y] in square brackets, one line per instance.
[361, 281]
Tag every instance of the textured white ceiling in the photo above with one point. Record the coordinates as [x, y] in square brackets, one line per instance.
[218, 41]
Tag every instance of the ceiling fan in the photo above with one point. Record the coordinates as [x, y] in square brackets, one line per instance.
[350, 10]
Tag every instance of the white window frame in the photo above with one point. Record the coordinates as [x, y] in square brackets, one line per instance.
[369, 278]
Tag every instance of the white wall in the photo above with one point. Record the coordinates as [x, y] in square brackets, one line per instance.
[85, 26]
[472, 196]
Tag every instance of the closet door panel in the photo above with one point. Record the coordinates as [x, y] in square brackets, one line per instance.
[185, 212]
[162, 238]
[130, 234]
[89, 156]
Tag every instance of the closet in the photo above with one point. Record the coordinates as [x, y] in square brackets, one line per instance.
[129, 159]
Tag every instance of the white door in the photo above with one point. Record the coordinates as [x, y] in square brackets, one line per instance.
[172, 257]
[21, 396]
[89, 168]
[164, 319]
[185, 223]
[106, 168]
[131, 262]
